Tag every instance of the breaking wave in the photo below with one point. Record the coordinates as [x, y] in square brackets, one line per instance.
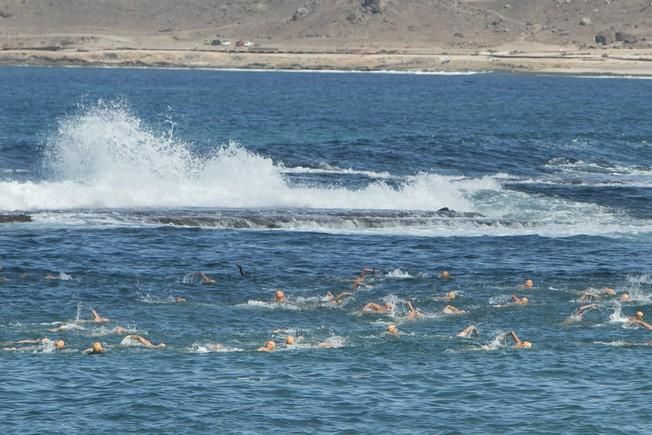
[105, 167]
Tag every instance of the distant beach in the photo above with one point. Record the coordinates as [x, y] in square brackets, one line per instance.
[594, 62]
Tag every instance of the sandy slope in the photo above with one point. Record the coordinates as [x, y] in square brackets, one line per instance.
[522, 35]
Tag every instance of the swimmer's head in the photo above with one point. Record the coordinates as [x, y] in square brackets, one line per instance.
[270, 345]
[289, 340]
[639, 315]
[524, 300]
[392, 329]
[528, 283]
[624, 297]
[451, 295]
[388, 306]
[279, 296]
[59, 344]
[527, 345]
[609, 291]
[444, 274]
[97, 347]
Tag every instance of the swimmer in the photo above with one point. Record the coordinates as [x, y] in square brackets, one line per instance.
[279, 296]
[624, 297]
[97, 318]
[142, 340]
[608, 291]
[449, 309]
[412, 312]
[583, 309]
[179, 299]
[119, 330]
[359, 281]
[393, 330]
[589, 297]
[638, 320]
[528, 283]
[290, 340]
[578, 314]
[96, 348]
[445, 275]
[520, 301]
[326, 345]
[469, 331]
[372, 307]
[77, 324]
[518, 343]
[330, 297]
[57, 344]
[205, 279]
[269, 346]
[450, 296]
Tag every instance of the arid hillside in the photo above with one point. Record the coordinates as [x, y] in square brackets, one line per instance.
[402, 25]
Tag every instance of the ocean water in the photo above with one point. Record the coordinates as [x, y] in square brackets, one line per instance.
[134, 181]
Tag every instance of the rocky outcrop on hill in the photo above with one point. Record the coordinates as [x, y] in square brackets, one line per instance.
[374, 6]
[323, 24]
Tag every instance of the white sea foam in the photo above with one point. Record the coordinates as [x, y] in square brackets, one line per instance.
[497, 343]
[617, 315]
[399, 274]
[211, 348]
[106, 160]
[252, 303]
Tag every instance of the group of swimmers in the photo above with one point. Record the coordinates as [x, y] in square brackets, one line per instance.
[589, 298]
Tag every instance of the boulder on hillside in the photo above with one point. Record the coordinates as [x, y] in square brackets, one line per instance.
[374, 6]
[604, 37]
[627, 38]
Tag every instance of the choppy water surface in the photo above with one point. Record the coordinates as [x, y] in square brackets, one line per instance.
[134, 181]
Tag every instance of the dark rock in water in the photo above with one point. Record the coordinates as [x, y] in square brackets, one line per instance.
[374, 6]
[627, 38]
[14, 218]
[604, 37]
[445, 211]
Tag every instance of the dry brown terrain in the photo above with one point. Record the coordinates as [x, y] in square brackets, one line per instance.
[593, 36]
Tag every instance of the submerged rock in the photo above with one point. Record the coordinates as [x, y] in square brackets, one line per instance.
[14, 218]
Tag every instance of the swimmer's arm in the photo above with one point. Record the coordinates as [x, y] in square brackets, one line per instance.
[337, 299]
[514, 337]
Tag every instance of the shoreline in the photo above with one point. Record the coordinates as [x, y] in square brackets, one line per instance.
[584, 62]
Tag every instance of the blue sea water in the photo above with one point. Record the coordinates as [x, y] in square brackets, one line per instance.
[136, 180]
